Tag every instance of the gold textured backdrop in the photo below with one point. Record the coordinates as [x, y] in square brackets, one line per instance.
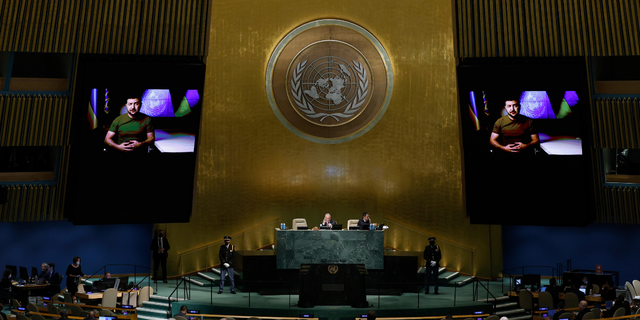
[253, 172]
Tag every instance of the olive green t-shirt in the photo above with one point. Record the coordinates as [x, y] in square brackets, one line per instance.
[128, 129]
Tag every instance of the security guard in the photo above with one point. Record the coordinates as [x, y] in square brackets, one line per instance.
[227, 254]
[432, 254]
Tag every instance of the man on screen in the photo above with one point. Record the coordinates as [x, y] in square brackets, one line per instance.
[132, 131]
[514, 133]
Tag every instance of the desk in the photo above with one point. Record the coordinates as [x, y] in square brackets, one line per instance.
[592, 298]
[23, 291]
[297, 247]
[94, 295]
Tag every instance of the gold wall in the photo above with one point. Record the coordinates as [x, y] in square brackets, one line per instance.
[253, 170]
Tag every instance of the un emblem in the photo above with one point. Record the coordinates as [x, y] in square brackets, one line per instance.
[329, 81]
[332, 268]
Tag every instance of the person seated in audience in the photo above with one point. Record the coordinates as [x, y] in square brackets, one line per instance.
[45, 274]
[608, 292]
[583, 310]
[568, 286]
[587, 284]
[54, 279]
[371, 315]
[553, 289]
[64, 314]
[559, 310]
[5, 285]
[618, 303]
[107, 275]
[182, 313]
[576, 290]
[91, 316]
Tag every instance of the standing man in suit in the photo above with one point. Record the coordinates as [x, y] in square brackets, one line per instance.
[227, 255]
[159, 246]
[432, 254]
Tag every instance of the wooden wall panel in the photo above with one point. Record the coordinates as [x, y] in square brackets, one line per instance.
[544, 28]
[163, 27]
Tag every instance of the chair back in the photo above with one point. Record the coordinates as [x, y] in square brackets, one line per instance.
[525, 299]
[571, 300]
[588, 316]
[145, 293]
[352, 223]
[78, 311]
[81, 288]
[106, 312]
[35, 316]
[566, 315]
[620, 312]
[179, 318]
[68, 298]
[493, 317]
[636, 286]
[15, 303]
[109, 298]
[20, 316]
[32, 308]
[298, 222]
[130, 298]
[52, 309]
[545, 299]
[631, 291]
[596, 289]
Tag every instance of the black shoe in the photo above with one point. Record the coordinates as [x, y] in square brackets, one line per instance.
[436, 292]
[155, 281]
[219, 292]
[165, 281]
[426, 292]
[233, 292]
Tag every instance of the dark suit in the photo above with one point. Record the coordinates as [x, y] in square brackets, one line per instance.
[159, 258]
[553, 290]
[227, 254]
[361, 223]
[432, 253]
[54, 283]
[332, 222]
[582, 313]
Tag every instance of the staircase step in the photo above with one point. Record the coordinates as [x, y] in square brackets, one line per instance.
[441, 270]
[507, 305]
[194, 281]
[156, 304]
[499, 299]
[146, 317]
[451, 276]
[466, 280]
[163, 298]
[509, 312]
[153, 312]
[208, 276]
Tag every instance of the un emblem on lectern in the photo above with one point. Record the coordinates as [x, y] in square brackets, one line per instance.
[332, 268]
[329, 81]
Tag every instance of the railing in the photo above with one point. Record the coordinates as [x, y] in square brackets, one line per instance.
[135, 272]
[403, 237]
[476, 286]
[206, 256]
[186, 290]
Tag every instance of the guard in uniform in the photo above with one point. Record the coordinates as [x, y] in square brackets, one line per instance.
[432, 254]
[227, 254]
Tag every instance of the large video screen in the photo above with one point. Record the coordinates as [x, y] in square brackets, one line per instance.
[134, 139]
[525, 138]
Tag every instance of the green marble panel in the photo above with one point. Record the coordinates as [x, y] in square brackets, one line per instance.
[296, 247]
